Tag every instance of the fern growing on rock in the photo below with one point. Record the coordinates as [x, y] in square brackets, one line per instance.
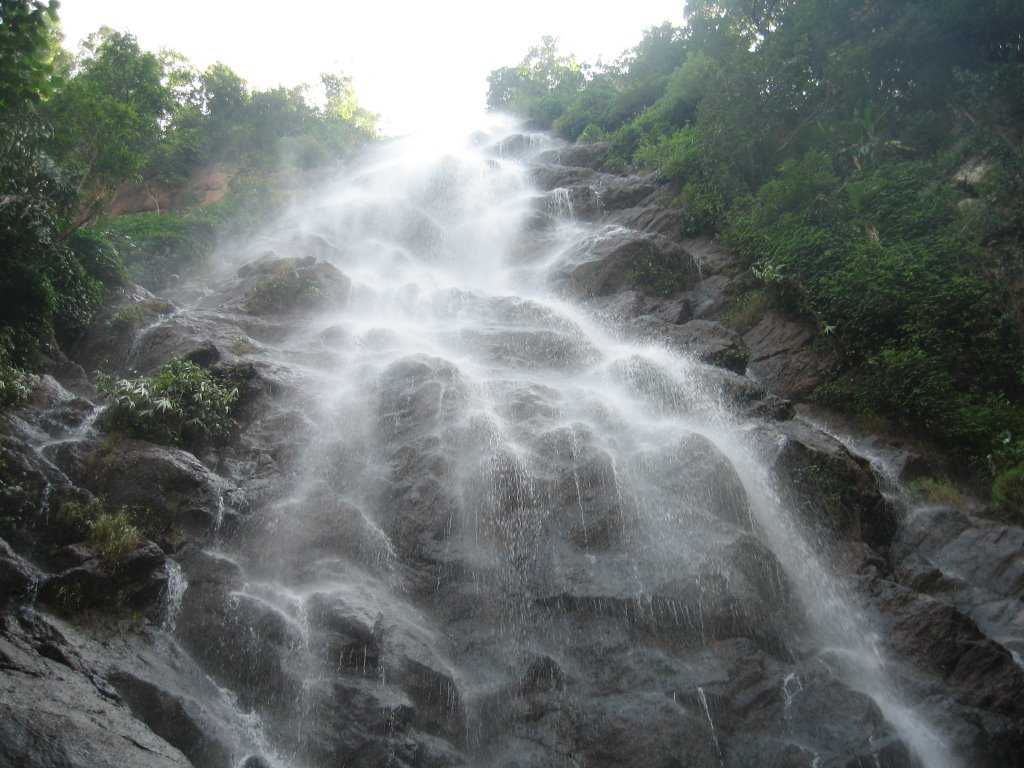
[182, 404]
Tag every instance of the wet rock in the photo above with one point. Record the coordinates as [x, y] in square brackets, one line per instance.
[53, 410]
[708, 341]
[135, 581]
[694, 477]
[784, 357]
[168, 481]
[417, 394]
[542, 675]
[623, 259]
[577, 155]
[942, 641]
[56, 712]
[548, 177]
[273, 286]
[202, 337]
[107, 343]
[623, 192]
[177, 720]
[650, 215]
[245, 642]
[530, 348]
[973, 565]
[24, 479]
[711, 258]
[517, 145]
[639, 731]
[18, 577]
[581, 487]
[293, 536]
[834, 493]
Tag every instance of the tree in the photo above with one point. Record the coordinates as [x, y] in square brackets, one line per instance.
[108, 118]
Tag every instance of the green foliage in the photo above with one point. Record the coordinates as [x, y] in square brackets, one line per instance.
[26, 51]
[50, 286]
[113, 535]
[108, 116]
[659, 275]
[112, 532]
[1008, 493]
[746, 310]
[135, 316]
[73, 129]
[282, 291]
[182, 404]
[15, 384]
[158, 247]
[937, 490]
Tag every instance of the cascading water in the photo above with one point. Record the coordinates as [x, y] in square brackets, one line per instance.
[507, 534]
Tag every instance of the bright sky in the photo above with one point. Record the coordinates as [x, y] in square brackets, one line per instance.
[412, 60]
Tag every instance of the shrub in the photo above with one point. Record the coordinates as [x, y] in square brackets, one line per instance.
[112, 535]
[73, 519]
[182, 404]
[1008, 493]
[139, 314]
[282, 291]
[937, 491]
[746, 310]
[15, 383]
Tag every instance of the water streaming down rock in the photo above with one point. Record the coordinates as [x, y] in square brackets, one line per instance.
[472, 517]
[483, 513]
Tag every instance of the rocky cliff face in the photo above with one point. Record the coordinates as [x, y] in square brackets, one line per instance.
[504, 491]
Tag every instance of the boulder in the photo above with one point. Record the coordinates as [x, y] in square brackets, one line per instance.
[18, 577]
[136, 581]
[622, 259]
[274, 287]
[833, 492]
[170, 482]
[55, 711]
[577, 155]
[708, 341]
[785, 357]
[107, 343]
[940, 640]
[695, 478]
[178, 720]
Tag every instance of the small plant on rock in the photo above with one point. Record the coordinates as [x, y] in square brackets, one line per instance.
[113, 535]
[182, 404]
[1008, 494]
[937, 491]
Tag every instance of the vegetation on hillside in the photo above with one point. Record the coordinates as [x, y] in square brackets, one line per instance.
[865, 158]
[75, 128]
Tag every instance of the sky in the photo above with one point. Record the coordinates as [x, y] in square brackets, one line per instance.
[412, 62]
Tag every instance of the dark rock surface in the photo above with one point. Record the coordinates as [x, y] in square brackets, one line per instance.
[56, 711]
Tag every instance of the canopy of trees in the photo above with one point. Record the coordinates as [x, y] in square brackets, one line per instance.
[866, 157]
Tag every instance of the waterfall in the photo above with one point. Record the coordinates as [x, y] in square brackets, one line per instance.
[500, 526]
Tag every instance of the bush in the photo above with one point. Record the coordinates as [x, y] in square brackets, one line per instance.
[182, 404]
